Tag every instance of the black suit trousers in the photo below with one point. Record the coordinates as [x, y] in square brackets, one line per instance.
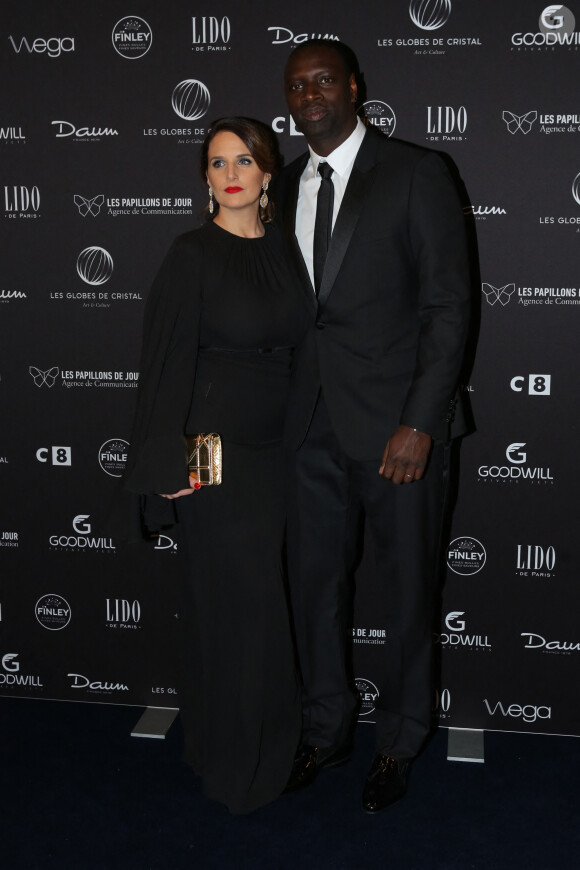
[328, 492]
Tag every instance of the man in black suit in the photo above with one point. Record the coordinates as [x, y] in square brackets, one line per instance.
[378, 236]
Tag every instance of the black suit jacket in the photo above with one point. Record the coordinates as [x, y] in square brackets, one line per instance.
[388, 330]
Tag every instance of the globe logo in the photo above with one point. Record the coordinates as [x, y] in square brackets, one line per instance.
[190, 99]
[430, 14]
[95, 265]
[576, 188]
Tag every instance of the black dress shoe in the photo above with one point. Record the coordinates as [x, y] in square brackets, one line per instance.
[386, 783]
[308, 761]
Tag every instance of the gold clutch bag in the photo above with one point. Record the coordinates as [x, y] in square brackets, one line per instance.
[204, 457]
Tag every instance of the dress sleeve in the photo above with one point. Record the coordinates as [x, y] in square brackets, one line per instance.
[157, 455]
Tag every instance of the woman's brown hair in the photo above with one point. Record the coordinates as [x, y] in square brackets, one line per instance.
[261, 142]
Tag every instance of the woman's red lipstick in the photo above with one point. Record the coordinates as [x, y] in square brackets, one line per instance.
[233, 189]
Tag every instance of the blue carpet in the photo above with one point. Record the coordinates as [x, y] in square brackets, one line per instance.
[79, 792]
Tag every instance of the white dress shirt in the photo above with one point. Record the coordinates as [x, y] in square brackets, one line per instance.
[342, 160]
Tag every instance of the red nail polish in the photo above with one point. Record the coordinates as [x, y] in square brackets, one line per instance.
[197, 485]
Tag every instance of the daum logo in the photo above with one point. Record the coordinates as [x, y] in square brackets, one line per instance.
[132, 37]
[44, 379]
[430, 14]
[576, 188]
[521, 123]
[190, 99]
[95, 265]
[89, 206]
[498, 294]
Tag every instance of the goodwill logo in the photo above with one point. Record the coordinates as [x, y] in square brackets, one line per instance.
[12, 135]
[454, 636]
[518, 471]
[10, 674]
[82, 539]
[556, 30]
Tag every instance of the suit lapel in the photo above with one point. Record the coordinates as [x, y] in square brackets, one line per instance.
[351, 207]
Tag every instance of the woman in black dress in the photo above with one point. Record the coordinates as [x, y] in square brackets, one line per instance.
[221, 320]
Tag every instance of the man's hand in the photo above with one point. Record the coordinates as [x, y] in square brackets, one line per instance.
[405, 456]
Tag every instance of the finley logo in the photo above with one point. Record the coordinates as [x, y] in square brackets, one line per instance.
[190, 99]
[132, 37]
[430, 14]
[380, 115]
[95, 265]
[523, 123]
[498, 294]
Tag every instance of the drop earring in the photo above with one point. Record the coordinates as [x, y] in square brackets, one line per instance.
[264, 197]
[211, 202]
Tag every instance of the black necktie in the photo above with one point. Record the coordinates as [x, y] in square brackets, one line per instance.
[323, 222]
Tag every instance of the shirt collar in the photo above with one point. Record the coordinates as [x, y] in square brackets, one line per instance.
[342, 157]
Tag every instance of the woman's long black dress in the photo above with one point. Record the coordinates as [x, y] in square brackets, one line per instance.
[223, 316]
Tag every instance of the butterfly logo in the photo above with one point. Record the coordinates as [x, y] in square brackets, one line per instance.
[523, 123]
[48, 377]
[498, 294]
[89, 206]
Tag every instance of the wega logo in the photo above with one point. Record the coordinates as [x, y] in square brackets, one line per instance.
[521, 123]
[95, 266]
[498, 294]
[430, 14]
[527, 712]
[53, 47]
[190, 99]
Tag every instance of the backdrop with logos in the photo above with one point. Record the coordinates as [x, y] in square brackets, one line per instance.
[103, 113]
